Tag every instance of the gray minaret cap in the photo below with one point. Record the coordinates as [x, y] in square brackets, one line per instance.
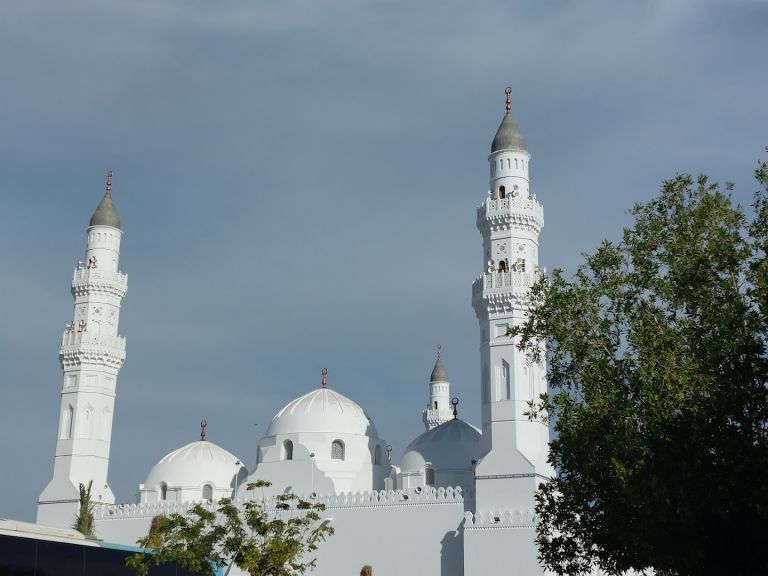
[508, 136]
[438, 372]
[106, 214]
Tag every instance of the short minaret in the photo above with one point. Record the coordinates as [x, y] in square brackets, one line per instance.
[439, 408]
[91, 355]
[510, 219]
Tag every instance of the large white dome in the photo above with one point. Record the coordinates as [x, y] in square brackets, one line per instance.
[322, 410]
[192, 467]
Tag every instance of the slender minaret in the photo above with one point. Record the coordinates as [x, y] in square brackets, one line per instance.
[439, 408]
[510, 219]
[91, 355]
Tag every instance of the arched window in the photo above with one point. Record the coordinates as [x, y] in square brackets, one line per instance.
[163, 490]
[85, 426]
[66, 423]
[502, 192]
[502, 266]
[377, 455]
[429, 477]
[337, 450]
[207, 492]
[106, 424]
[70, 428]
[287, 450]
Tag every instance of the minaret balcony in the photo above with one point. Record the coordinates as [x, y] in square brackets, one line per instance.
[81, 346]
[93, 280]
[517, 282]
[499, 213]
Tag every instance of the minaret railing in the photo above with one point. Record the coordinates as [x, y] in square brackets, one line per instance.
[494, 206]
[72, 340]
[84, 279]
[506, 281]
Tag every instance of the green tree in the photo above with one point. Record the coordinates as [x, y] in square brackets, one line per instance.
[258, 541]
[84, 520]
[658, 371]
[156, 531]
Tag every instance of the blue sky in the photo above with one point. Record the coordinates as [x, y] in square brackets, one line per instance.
[298, 181]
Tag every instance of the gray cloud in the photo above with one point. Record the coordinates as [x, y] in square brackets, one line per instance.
[298, 181]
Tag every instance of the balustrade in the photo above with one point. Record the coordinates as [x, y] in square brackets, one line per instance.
[516, 281]
[499, 206]
[94, 275]
[72, 340]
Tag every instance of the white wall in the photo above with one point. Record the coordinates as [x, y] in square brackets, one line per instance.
[396, 533]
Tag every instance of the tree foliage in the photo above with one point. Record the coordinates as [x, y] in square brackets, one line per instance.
[658, 369]
[258, 541]
[84, 522]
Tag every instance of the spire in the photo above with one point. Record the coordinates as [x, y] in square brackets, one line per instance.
[203, 425]
[324, 372]
[106, 214]
[508, 136]
[438, 372]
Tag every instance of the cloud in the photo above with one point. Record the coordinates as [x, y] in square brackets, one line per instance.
[298, 184]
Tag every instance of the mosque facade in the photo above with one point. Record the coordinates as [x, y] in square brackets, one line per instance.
[460, 500]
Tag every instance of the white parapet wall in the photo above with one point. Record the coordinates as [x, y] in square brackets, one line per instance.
[397, 532]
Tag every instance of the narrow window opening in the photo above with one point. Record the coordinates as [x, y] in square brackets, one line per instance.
[337, 450]
[502, 266]
[66, 423]
[429, 477]
[435, 404]
[207, 492]
[287, 450]
[502, 192]
[529, 370]
[506, 380]
[163, 490]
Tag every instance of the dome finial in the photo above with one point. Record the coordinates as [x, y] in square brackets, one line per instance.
[455, 403]
[508, 136]
[203, 425]
[324, 372]
[106, 214]
[438, 372]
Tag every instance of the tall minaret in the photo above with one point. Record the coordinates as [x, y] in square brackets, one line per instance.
[91, 355]
[510, 219]
[439, 408]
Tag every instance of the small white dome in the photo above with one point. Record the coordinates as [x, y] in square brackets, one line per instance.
[196, 464]
[322, 410]
[451, 446]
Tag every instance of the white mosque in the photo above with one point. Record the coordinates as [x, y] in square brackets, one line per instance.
[459, 502]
